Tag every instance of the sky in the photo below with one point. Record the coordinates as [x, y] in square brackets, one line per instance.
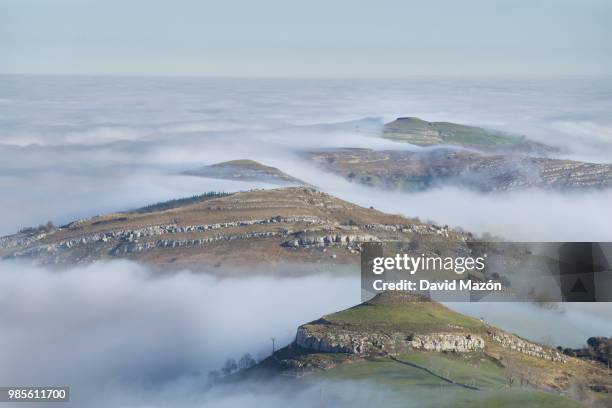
[275, 38]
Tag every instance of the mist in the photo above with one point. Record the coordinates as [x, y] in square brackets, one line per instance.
[115, 327]
[91, 145]
[72, 147]
[121, 335]
[566, 324]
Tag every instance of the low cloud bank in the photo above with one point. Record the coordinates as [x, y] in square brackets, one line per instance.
[110, 327]
[120, 335]
[529, 215]
[561, 324]
[123, 147]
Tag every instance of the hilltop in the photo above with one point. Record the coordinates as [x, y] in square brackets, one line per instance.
[408, 342]
[246, 170]
[299, 225]
[422, 133]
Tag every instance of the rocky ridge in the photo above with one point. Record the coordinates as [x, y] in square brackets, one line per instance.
[365, 343]
[422, 169]
[339, 340]
[293, 222]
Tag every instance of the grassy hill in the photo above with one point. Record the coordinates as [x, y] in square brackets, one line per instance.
[391, 341]
[422, 133]
[297, 225]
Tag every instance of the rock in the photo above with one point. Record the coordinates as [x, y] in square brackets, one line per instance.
[346, 341]
[513, 342]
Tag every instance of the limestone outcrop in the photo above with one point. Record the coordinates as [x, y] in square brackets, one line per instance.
[329, 240]
[512, 342]
[351, 342]
[322, 336]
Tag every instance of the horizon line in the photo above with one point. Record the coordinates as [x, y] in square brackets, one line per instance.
[286, 77]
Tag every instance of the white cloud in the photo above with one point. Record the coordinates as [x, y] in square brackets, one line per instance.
[112, 327]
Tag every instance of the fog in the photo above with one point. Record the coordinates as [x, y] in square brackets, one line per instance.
[77, 147]
[559, 324]
[529, 215]
[110, 326]
[119, 334]
[90, 145]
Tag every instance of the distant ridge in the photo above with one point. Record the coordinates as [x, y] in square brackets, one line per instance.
[422, 133]
[246, 170]
[429, 168]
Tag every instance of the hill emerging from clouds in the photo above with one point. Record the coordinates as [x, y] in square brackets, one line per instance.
[422, 133]
[295, 225]
[409, 344]
[423, 169]
[246, 170]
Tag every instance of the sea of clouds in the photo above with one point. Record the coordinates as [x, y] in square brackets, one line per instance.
[115, 330]
[89, 145]
[121, 335]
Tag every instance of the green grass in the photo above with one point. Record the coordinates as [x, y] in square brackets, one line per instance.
[420, 132]
[420, 317]
[475, 136]
[401, 384]
[474, 370]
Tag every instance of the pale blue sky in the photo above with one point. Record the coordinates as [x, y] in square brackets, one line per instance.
[315, 38]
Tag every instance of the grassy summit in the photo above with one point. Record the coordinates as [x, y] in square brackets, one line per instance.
[402, 312]
[420, 132]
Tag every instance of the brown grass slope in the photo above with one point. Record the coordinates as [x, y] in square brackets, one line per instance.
[294, 224]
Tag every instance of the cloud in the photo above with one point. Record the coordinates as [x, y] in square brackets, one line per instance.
[76, 147]
[529, 215]
[107, 144]
[111, 326]
[567, 324]
[121, 335]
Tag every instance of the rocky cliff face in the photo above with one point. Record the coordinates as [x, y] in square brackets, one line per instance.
[351, 342]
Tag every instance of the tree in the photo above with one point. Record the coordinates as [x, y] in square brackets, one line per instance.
[229, 367]
[246, 361]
